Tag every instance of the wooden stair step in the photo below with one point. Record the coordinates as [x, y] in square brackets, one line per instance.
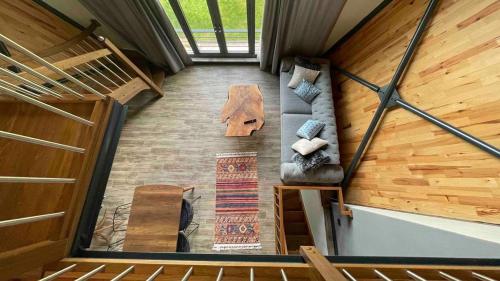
[296, 228]
[293, 242]
[293, 216]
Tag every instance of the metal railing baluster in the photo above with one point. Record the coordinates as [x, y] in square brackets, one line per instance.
[221, 274]
[155, 274]
[22, 138]
[39, 75]
[19, 89]
[348, 275]
[448, 276]
[7, 179]
[283, 275]
[188, 274]
[82, 73]
[45, 106]
[103, 65]
[36, 87]
[381, 275]
[57, 273]
[91, 273]
[415, 276]
[482, 277]
[48, 65]
[24, 220]
[123, 274]
[95, 69]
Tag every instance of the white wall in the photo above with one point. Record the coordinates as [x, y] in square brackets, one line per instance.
[352, 13]
[316, 218]
[77, 12]
[379, 232]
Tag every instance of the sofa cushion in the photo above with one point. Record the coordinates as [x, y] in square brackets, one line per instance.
[289, 101]
[290, 123]
[310, 129]
[306, 63]
[305, 146]
[307, 91]
[300, 73]
[311, 161]
[326, 174]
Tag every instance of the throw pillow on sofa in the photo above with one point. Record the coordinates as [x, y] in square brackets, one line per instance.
[305, 147]
[307, 91]
[312, 161]
[301, 73]
[310, 129]
[307, 63]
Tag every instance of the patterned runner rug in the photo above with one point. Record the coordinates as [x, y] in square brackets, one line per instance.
[237, 202]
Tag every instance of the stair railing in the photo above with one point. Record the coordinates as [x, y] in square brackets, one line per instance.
[85, 69]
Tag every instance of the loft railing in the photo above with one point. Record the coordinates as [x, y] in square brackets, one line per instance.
[310, 266]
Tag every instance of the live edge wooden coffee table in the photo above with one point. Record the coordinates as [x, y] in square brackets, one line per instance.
[243, 111]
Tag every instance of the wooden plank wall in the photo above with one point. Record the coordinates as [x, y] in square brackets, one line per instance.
[33, 26]
[31, 160]
[412, 165]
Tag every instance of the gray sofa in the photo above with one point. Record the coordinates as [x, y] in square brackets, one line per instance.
[294, 112]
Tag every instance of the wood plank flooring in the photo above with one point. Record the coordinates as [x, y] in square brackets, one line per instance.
[173, 140]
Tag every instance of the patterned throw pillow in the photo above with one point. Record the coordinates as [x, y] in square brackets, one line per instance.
[310, 162]
[306, 147]
[307, 63]
[300, 73]
[310, 129]
[307, 91]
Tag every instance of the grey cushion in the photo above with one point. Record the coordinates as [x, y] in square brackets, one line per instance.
[307, 91]
[290, 123]
[307, 63]
[311, 161]
[290, 102]
[310, 129]
[326, 174]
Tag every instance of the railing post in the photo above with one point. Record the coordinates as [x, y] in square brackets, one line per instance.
[321, 268]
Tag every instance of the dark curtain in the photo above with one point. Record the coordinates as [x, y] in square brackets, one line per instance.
[144, 24]
[296, 27]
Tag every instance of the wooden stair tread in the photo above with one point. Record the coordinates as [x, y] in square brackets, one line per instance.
[293, 242]
[296, 228]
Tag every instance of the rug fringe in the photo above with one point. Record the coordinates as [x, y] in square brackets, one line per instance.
[235, 154]
[222, 247]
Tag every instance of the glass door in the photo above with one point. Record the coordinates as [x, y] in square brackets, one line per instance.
[216, 28]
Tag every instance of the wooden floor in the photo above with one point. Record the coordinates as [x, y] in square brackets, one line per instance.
[174, 140]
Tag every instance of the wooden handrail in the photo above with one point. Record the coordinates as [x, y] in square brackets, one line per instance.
[62, 64]
[342, 208]
[132, 66]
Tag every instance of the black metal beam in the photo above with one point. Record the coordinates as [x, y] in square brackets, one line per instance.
[251, 25]
[358, 79]
[457, 132]
[176, 7]
[390, 88]
[213, 7]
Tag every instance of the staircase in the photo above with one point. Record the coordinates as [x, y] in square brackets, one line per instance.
[291, 225]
